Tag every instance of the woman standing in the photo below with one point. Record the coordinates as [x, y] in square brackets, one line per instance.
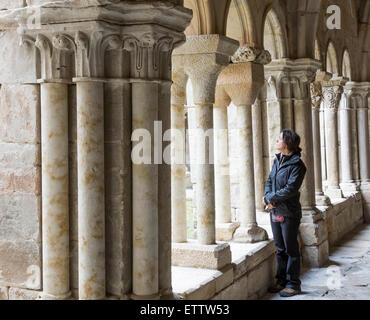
[282, 199]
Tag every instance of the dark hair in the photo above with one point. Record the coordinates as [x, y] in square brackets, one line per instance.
[292, 140]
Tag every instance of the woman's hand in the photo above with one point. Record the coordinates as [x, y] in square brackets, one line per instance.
[263, 202]
[270, 206]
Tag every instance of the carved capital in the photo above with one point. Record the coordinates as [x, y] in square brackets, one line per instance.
[316, 95]
[251, 54]
[332, 96]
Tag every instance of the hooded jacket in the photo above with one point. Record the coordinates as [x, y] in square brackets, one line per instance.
[283, 183]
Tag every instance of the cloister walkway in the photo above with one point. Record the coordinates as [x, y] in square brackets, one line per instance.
[345, 277]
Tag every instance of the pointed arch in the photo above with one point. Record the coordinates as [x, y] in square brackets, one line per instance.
[331, 59]
[346, 65]
[239, 24]
[274, 38]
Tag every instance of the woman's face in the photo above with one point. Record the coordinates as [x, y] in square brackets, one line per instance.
[280, 144]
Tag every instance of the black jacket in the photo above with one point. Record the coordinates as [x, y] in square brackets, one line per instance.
[282, 186]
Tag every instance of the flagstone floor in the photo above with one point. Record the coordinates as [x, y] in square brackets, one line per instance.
[345, 277]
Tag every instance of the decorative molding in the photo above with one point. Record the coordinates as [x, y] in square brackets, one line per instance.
[251, 54]
[316, 95]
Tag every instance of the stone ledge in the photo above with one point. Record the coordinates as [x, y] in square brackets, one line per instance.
[248, 256]
[193, 254]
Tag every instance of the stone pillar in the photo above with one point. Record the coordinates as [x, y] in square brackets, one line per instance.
[316, 98]
[203, 58]
[259, 183]
[323, 145]
[362, 101]
[242, 81]
[313, 231]
[332, 92]
[91, 209]
[347, 184]
[55, 206]
[225, 228]
[178, 167]
[55, 167]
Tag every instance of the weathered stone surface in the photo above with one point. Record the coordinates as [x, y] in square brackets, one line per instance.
[192, 254]
[20, 217]
[19, 156]
[21, 180]
[23, 294]
[20, 113]
[20, 264]
[225, 278]
[237, 291]
[4, 293]
[313, 234]
[315, 256]
[260, 278]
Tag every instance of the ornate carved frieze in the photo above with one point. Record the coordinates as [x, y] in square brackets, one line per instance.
[251, 54]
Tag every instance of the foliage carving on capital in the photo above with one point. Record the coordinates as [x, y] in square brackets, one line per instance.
[251, 54]
[316, 94]
[332, 96]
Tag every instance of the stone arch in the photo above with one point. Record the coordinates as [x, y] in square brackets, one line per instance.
[331, 59]
[239, 23]
[346, 65]
[274, 39]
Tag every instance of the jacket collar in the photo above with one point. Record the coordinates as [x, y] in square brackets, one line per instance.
[292, 159]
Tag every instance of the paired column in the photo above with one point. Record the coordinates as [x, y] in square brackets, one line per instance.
[316, 98]
[91, 208]
[55, 205]
[348, 184]
[332, 92]
[242, 81]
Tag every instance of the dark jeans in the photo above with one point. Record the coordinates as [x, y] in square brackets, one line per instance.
[288, 255]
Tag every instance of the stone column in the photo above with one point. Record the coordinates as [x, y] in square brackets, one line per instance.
[348, 184]
[225, 228]
[55, 167]
[259, 183]
[313, 231]
[323, 145]
[203, 58]
[316, 98]
[178, 167]
[91, 209]
[362, 101]
[332, 92]
[55, 206]
[242, 81]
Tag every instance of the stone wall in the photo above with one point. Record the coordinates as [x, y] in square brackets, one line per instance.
[20, 192]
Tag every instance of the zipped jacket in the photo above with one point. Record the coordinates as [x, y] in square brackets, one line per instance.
[283, 183]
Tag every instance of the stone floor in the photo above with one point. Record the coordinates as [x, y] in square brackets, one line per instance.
[345, 277]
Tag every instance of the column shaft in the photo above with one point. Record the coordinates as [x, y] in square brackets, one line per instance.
[55, 206]
[222, 171]
[317, 149]
[332, 148]
[178, 173]
[91, 208]
[145, 195]
[205, 198]
[346, 146]
[363, 143]
[258, 154]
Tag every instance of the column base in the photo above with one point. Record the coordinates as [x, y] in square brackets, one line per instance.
[225, 231]
[250, 234]
[322, 200]
[195, 255]
[47, 296]
[349, 188]
[334, 193]
[145, 297]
